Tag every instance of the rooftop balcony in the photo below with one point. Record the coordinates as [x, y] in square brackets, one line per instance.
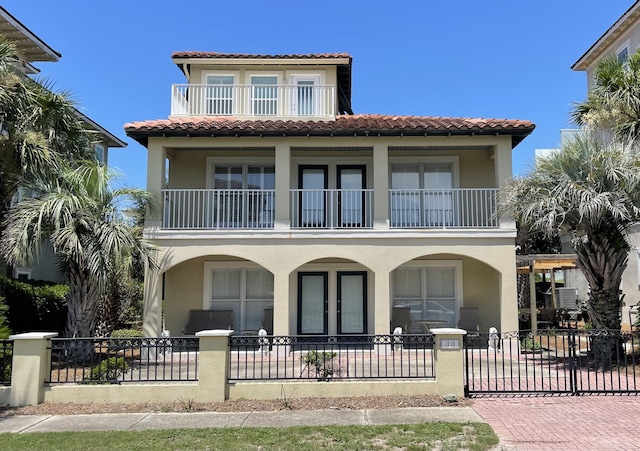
[249, 209]
[309, 101]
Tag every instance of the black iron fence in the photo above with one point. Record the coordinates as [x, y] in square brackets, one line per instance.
[6, 356]
[118, 360]
[331, 357]
[553, 361]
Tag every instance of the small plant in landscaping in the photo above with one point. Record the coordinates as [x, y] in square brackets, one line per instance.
[109, 370]
[187, 404]
[528, 343]
[284, 399]
[322, 362]
[126, 333]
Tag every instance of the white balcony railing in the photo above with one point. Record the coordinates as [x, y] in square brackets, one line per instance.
[447, 208]
[253, 100]
[218, 209]
[331, 209]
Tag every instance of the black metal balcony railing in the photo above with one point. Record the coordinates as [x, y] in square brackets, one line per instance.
[331, 357]
[119, 360]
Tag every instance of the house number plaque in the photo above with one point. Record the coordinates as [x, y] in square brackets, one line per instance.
[450, 343]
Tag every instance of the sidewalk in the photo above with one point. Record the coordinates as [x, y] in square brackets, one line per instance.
[141, 421]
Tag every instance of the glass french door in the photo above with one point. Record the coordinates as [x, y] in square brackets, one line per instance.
[313, 181]
[313, 303]
[305, 100]
[351, 184]
[352, 302]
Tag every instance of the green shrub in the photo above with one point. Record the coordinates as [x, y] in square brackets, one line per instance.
[35, 305]
[126, 333]
[321, 362]
[109, 370]
[5, 331]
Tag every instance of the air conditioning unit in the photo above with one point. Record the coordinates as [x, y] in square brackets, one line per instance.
[567, 298]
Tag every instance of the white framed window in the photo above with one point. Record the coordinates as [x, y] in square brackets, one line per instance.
[422, 193]
[244, 195]
[22, 273]
[264, 93]
[220, 93]
[622, 53]
[431, 289]
[305, 97]
[242, 287]
[101, 152]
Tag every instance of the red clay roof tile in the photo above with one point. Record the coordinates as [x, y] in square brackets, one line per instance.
[197, 54]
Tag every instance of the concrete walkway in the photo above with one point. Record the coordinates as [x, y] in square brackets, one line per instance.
[140, 421]
[522, 423]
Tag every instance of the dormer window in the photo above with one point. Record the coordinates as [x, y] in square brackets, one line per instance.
[220, 94]
[264, 95]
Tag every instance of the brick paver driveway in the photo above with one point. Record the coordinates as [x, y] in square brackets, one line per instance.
[528, 423]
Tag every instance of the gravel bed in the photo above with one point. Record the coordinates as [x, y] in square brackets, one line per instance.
[241, 405]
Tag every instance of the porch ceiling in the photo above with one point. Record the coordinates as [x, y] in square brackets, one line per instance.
[545, 262]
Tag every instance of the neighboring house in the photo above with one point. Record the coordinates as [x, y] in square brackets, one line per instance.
[280, 203]
[31, 49]
[620, 40]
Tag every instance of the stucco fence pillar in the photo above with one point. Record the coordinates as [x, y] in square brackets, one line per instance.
[214, 365]
[29, 368]
[449, 360]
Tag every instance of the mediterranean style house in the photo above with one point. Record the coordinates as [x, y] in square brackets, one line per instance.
[619, 41]
[31, 49]
[283, 210]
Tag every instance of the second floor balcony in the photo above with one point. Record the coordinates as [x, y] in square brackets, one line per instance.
[250, 209]
[299, 100]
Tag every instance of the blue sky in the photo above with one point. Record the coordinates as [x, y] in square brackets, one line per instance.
[465, 58]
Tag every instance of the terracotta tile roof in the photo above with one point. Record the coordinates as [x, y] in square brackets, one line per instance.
[196, 54]
[348, 125]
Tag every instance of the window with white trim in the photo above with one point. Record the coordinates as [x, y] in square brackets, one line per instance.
[622, 53]
[421, 194]
[220, 93]
[432, 292]
[246, 290]
[264, 95]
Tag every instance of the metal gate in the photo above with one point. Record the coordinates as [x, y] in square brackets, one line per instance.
[548, 361]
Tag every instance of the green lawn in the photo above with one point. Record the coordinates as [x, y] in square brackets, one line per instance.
[413, 437]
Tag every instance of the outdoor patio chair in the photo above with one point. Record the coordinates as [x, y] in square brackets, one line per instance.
[401, 317]
[470, 320]
[547, 318]
[207, 320]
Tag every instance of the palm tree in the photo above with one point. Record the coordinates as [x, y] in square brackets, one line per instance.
[40, 128]
[614, 102]
[79, 214]
[590, 188]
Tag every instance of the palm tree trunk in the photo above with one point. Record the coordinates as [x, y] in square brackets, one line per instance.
[603, 259]
[83, 302]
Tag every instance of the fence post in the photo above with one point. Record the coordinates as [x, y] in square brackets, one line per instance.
[449, 360]
[213, 365]
[31, 362]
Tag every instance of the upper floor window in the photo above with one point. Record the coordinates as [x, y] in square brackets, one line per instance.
[101, 153]
[220, 94]
[264, 95]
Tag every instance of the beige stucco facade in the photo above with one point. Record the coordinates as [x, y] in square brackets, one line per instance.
[485, 258]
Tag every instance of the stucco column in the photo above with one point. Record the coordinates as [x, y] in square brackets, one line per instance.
[283, 174]
[449, 360]
[29, 368]
[382, 302]
[381, 186]
[152, 304]
[281, 308]
[503, 172]
[213, 365]
[156, 157]
[509, 295]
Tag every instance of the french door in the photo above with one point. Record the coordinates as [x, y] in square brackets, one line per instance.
[352, 302]
[351, 202]
[313, 181]
[316, 306]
